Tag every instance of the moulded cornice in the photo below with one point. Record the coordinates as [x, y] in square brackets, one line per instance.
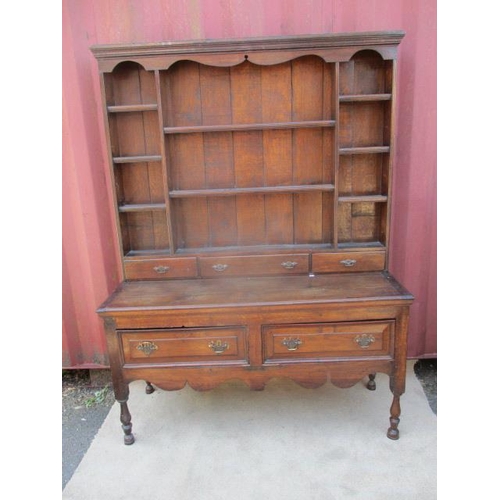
[237, 49]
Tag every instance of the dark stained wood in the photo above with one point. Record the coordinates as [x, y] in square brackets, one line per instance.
[252, 187]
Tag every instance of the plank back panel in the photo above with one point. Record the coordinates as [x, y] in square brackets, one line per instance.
[246, 107]
[130, 84]
[308, 75]
[181, 95]
[277, 150]
[219, 155]
[365, 73]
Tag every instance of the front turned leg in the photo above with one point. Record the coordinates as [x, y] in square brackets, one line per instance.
[393, 432]
[149, 388]
[371, 385]
[126, 419]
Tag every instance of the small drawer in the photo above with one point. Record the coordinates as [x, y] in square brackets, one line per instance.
[348, 262]
[254, 265]
[328, 340]
[183, 267]
[184, 345]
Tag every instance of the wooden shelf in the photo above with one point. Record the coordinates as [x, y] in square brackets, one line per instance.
[364, 150]
[147, 254]
[373, 198]
[360, 245]
[136, 159]
[365, 97]
[191, 193]
[196, 129]
[131, 108]
[142, 207]
[253, 249]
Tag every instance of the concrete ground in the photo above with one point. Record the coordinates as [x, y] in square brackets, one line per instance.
[87, 398]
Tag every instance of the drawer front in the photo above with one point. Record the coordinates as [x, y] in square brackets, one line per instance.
[184, 345]
[328, 340]
[348, 262]
[254, 265]
[184, 267]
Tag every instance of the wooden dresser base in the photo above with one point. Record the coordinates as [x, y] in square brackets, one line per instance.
[311, 329]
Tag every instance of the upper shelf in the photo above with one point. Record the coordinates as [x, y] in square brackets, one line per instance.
[136, 159]
[365, 97]
[363, 150]
[248, 126]
[128, 108]
[306, 188]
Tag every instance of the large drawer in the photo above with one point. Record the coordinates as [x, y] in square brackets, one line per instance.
[184, 345]
[328, 340]
[254, 265]
[183, 267]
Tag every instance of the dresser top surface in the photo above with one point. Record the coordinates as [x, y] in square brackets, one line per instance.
[255, 291]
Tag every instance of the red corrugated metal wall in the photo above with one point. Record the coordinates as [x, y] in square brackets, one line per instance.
[90, 255]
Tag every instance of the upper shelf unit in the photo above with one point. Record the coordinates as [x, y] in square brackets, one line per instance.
[276, 143]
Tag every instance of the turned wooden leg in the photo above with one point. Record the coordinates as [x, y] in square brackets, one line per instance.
[149, 388]
[126, 419]
[393, 432]
[371, 385]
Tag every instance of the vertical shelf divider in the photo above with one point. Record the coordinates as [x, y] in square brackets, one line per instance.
[336, 156]
[392, 143]
[111, 173]
[164, 165]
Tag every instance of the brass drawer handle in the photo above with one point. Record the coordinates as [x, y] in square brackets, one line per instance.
[147, 347]
[292, 344]
[218, 346]
[348, 262]
[220, 267]
[364, 340]
[288, 264]
[161, 269]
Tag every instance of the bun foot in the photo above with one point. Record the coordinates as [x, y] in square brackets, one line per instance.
[149, 388]
[125, 419]
[371, 385]
[393, 433]
[128, 439]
